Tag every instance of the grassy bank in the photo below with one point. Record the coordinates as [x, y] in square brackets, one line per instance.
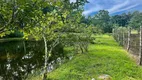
[104, 57]
[10, 39]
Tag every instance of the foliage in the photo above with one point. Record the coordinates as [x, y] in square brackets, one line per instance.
[102, 21]
[77, 34]
[121, 20]
[15, 34]
[128, 19]
[136, 20]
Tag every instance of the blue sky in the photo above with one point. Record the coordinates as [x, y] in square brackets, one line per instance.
[113, 6]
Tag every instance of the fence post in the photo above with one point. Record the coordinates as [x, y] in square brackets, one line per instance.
[113, 31]
[118, 39]
[123, 33]
[129, 35]
[140, 49]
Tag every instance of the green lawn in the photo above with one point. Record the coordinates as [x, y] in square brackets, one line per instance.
[105, 57]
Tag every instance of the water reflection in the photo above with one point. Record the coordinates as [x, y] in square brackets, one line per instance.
[20, 58]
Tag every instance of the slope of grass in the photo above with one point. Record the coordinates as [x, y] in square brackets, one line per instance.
[104, 57]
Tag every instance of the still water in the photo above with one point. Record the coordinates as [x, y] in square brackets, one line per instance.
[18, 59]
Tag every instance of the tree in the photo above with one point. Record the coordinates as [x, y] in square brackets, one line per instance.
[8, 12]
[50, 25]
[102, 20]
[121, 20]
[45, 26]
[136, 20]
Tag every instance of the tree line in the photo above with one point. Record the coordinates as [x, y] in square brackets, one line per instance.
[106, 22]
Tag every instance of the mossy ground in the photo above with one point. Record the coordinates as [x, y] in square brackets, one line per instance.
[104, 57]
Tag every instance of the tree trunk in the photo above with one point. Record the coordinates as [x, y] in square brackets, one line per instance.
[86, 46]
[81, 47]
[24, 47]
[46, 54]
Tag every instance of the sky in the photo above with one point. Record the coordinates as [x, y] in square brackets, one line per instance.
[113, 6]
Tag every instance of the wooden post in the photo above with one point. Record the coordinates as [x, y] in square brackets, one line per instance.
[118, 39]
[113, 31]
[121, 37]
[129, 35]
[140, 49]
[123, 33]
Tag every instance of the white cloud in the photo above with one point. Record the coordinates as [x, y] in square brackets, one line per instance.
[125, 9]
[122, 7]
[113, 6]
[93, 9]
[118, 6]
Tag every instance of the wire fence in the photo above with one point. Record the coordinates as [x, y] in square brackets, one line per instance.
[131, 40]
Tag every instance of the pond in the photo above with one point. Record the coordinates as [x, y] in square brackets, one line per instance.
[18, 59]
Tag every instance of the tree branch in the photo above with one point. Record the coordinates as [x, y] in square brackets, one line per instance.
[14, 13]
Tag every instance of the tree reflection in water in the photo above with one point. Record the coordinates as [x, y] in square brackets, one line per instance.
[20, 58]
